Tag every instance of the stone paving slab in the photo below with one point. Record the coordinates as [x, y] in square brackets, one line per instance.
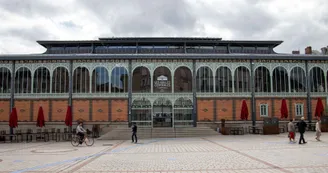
[240, 154]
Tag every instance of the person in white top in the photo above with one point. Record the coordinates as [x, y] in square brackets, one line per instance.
[80, 131]
[318, 130]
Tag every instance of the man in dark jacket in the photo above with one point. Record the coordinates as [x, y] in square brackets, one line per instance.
[301, 128]
[134, 133]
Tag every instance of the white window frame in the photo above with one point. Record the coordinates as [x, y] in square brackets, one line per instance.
[301, 105]
[266, 109]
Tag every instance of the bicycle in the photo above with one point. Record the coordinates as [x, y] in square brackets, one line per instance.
[76, 141]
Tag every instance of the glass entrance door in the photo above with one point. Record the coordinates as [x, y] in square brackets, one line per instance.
[162, 113]
[162, 119]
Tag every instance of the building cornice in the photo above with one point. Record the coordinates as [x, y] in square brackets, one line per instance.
[161, 56]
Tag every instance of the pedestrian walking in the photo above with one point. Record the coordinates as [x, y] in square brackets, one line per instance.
[291, 130]
[318, 130]
[301, 128]
[134, 133]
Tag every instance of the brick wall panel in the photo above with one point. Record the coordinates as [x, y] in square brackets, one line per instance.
[23, 110]
[45, 107]
[119, 110]
[4, 110]
[58, 110]
[100, 110]
[205, 110]
[81, 110]
[224, 109]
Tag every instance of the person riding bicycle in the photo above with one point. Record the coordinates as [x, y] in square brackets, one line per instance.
[80, 132]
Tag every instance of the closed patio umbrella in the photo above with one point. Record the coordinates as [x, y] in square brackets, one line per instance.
[68, 119]
[319, 108]
[40, 119]
[284, 109]
[13, 119]
[244, 111]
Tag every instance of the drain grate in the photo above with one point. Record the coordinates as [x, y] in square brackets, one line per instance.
[107, 144]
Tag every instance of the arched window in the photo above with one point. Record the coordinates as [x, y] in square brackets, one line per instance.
[262, 80]
[223, 80]
[81, 80]
[182, 80]
[41, 80]
[242, 79]
[60, 80]
[23, 80]
[280, 80]
[141, 81]
[317, 80]
[162, 80]
[119, 80]
[5, 80]
[100, 80]
[204, 80]
[297, 80]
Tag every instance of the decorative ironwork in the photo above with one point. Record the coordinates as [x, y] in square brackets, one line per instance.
[22, 110]
[205, 110]
[59, 110]
[118, 110]
[81, 110]
[99, 110]
[1, 110]
[224, 110]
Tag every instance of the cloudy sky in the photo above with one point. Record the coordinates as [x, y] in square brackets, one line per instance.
[299, 23]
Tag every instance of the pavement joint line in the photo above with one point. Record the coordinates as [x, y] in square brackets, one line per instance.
[75, 159]
[76, 168]
[251, 157]
[197, 170]
[43, 144]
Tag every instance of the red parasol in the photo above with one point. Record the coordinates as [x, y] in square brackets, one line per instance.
[13, 118]
[284, 109]
[68, 119]
[40, 120]
[319, 109]
[244, 111]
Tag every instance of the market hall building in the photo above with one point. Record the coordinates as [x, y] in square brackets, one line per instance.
[159, 82]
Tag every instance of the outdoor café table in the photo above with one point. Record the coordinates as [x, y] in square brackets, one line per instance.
[58, 135]
[29, 133]
[53, 134]
[237, 130]
[4, 135]
[254, 129]
[67, 134]
[18, 132]
[42, 135]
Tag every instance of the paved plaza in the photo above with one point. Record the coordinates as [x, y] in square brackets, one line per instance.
[247, 153]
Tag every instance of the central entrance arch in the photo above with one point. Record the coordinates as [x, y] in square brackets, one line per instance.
[162, 113]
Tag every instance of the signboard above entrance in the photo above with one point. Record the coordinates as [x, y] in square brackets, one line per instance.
[162, 83]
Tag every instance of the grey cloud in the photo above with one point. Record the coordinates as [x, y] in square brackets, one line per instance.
[248, 19]
[146, 17]
[29, 8]
[28, 34]
[244, 21]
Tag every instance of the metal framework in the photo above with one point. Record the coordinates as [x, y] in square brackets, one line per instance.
[314, 68]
